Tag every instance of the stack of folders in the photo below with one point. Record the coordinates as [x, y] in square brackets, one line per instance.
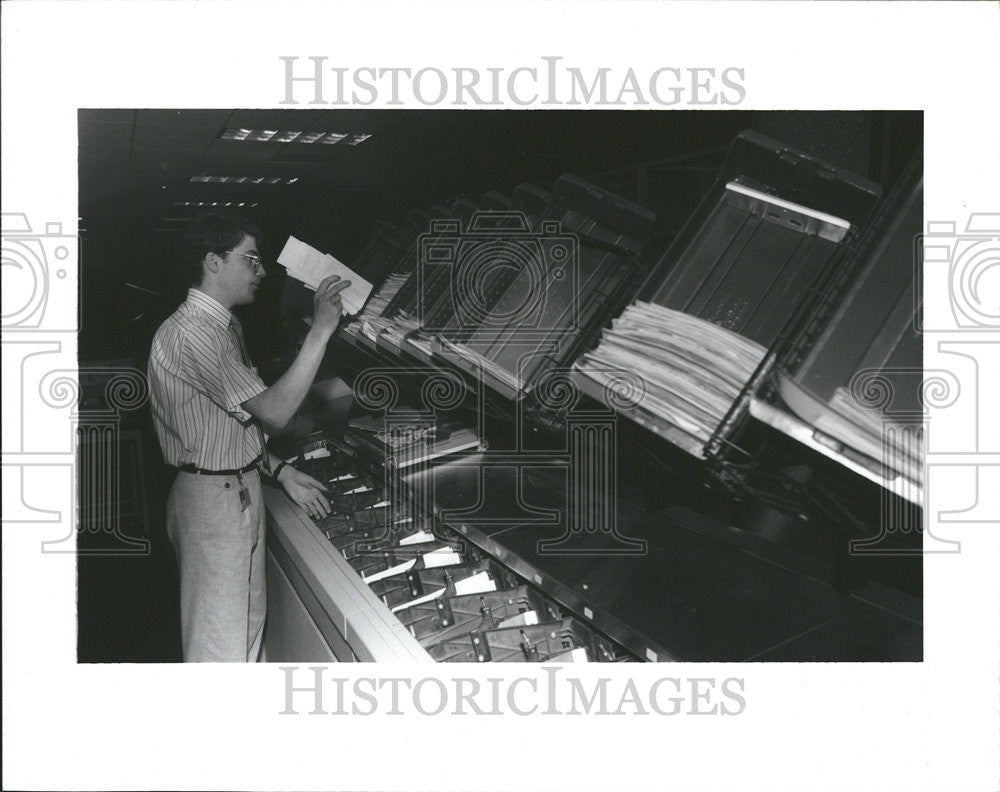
[677, 369]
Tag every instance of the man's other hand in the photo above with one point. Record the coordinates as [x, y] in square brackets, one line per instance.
[327, 306]
[306, 491]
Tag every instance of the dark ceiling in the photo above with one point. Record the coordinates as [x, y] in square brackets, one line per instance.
[141, 161]
[136, 166]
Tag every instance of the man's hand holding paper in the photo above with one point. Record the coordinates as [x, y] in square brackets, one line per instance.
[310, 266]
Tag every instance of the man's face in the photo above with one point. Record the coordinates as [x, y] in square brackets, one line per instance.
[242, 271]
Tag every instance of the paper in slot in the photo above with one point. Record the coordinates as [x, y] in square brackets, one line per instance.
[399, 569]
[443, 556]
[420, 537]
[419, 600]
[475, 584]
[357, 490]
[526, 619]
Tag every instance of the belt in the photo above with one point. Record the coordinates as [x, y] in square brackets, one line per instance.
[189, 468]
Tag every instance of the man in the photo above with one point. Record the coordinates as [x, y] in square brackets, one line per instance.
[207, 408]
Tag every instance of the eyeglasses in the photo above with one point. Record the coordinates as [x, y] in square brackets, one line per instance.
[252, 258]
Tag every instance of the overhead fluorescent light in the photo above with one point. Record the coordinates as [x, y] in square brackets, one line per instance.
[261, 135]
[197, 204]
[205, 178]
[293, 136]
[236, 134]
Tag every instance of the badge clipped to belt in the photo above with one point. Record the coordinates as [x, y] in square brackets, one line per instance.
[244, 493]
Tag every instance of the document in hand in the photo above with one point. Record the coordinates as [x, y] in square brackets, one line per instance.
[306, 264]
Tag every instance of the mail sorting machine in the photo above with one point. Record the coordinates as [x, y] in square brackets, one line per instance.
[521, 554]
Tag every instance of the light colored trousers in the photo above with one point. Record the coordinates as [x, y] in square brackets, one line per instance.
[220, 552]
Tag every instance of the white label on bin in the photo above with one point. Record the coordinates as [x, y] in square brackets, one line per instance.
[588, 613]
[651, 656]
[537, 578]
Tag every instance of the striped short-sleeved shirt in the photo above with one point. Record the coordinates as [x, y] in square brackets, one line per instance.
[198, 383]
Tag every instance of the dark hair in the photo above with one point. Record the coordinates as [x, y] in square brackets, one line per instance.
[212, 232]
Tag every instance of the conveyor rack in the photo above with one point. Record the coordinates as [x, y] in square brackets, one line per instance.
[459, 604]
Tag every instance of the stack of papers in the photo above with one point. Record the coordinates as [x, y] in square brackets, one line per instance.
[311, 267]
[380, 300]
[370, 321]
[691, 371]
